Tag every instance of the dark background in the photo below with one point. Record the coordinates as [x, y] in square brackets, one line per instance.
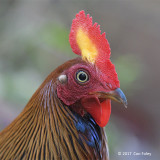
[34, 41]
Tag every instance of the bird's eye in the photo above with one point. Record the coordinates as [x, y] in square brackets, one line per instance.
[82, 76]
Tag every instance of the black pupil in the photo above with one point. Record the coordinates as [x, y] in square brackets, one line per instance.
[82, 76]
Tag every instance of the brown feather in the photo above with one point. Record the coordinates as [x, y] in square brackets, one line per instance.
[45, 129]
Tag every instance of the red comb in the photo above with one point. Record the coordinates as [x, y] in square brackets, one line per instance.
[93, 46]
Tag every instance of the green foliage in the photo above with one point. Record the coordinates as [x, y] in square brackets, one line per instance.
[129, 69]
[56, 37]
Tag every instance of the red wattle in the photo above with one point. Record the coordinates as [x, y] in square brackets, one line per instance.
[106, 112]
[99, 111]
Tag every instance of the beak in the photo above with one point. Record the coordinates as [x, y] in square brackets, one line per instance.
[116, 95]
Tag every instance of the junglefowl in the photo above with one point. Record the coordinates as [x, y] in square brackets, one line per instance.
[64, 118]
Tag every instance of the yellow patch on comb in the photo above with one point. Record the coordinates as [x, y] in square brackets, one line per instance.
[88, 49]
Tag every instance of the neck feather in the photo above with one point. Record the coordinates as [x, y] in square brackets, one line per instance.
[47, 129]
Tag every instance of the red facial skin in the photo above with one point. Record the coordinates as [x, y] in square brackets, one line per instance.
[76, 95]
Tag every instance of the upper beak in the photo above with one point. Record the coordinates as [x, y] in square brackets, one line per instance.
[116, 95]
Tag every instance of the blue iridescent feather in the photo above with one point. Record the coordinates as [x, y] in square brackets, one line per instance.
[89, 130]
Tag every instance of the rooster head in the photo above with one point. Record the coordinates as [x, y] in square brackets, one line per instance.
[89, 84]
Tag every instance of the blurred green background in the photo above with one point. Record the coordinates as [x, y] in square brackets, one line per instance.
[34, 41]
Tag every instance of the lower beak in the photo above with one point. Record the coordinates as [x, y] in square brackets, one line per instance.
[116, 95]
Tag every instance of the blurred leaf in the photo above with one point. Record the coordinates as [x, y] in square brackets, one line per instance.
[56, 36]
[128, 68]
[20, 86]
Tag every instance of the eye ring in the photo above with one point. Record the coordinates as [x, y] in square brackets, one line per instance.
[82, 76]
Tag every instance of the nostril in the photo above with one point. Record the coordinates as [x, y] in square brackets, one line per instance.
[109, 85]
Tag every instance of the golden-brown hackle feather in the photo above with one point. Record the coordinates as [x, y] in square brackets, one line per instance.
[45, 129]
